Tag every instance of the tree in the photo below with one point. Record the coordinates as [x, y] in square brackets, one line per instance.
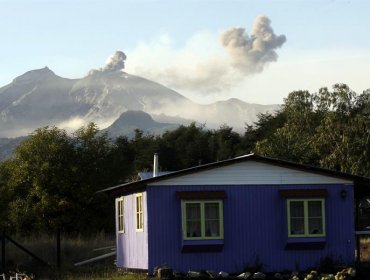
[293, 140]
[225, 143]
[143, 147]
[37, 181]
[263, 128]
[98, 164]
[184, 147]
[342, 137]
[50, 183]
[330, 129]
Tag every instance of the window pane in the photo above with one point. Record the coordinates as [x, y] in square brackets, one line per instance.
[211, 211]
[212, 228]
[193, 220]
[138, 203]
[193, 211]
[212, 219]
[120, 215]
[315, 226]
[139, 213]
[314, 209]
[296, 209]
[297, 226]
[120, 226]
[315, 218]
[193, 229]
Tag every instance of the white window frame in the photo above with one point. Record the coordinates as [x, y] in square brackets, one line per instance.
[121, 215]
[305, 202]
[202, 219]
[139, 212]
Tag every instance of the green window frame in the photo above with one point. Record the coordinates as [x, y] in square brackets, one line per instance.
[306, 217]
[120, 215]
[139, 212]
[202, 219]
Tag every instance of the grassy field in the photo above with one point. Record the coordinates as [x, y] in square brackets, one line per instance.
[73, 250]
[107, 275]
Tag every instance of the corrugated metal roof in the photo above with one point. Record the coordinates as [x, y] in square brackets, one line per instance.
[138, 186]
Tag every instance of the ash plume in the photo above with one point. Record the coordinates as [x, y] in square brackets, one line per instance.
[249, 54]
[115, 62]
[215, 72]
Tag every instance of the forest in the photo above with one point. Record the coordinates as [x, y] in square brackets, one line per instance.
[49, 184]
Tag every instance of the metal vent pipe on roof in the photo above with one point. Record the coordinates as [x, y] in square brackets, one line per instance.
[155, 165]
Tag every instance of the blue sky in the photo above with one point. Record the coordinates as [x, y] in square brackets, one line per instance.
[327, 41]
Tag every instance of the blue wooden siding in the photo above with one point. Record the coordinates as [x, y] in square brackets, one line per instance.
[132, 246]
[255, 226]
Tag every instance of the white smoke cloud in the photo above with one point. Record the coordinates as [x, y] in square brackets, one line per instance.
[72, 124]
[208, 76]
[205, 67]
[115, 62]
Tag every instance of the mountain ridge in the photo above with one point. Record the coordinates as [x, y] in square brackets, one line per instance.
[130, 121]
[40, 97]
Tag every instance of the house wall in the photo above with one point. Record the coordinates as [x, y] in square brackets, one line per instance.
[255, 227]
[132, 246]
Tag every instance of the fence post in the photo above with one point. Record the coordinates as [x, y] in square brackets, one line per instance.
[3, 261]
[58, 249]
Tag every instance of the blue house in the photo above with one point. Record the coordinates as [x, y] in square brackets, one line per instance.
[228, 214]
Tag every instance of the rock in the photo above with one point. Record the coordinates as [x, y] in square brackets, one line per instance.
[278, 276]
[345, 274]
[327, 277]
[177, 274]
[157, 268]
[223, 274]
[313, 275]
[259, 275]
[165, 273]
[244, 275]
[193, 274]
[212, 274]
